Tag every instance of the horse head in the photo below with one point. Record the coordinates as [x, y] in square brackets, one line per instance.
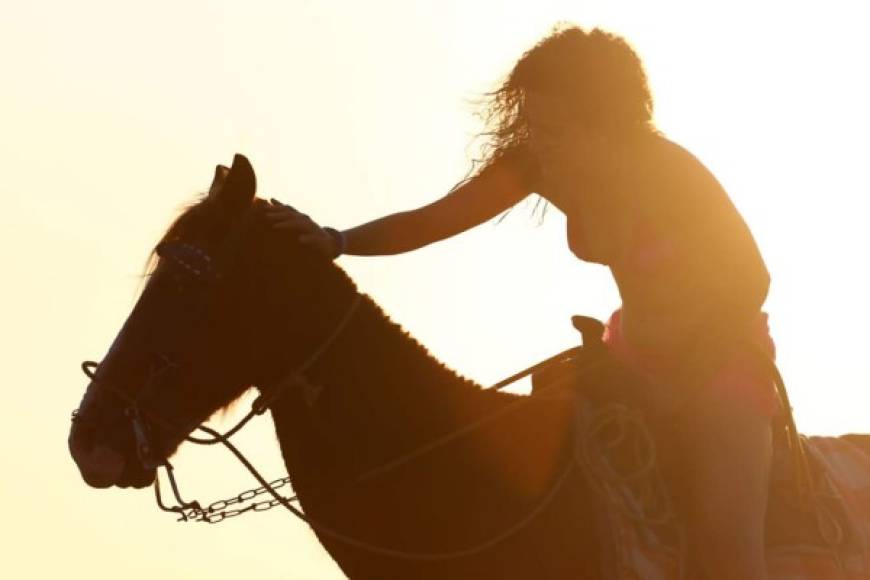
[230, 303]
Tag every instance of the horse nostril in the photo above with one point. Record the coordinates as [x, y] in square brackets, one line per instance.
[100, 466]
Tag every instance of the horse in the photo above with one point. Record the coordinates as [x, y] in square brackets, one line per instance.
[402, 467]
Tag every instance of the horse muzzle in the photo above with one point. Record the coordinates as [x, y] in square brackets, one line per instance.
[101, 465]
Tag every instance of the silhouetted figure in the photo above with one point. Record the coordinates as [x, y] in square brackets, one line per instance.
[405, 469]
[572, 122]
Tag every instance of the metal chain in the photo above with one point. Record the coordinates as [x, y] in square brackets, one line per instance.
[219, 510]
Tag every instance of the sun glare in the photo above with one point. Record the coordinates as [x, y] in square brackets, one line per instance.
[115, 114]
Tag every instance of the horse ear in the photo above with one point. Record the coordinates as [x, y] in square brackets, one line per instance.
[220, 176]
[234, 188]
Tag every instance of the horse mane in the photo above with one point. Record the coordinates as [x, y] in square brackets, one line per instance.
[330, 282]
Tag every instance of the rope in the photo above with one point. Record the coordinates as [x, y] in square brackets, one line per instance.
[456, 434]
[802, 470]
[608, 481]
[391, 552]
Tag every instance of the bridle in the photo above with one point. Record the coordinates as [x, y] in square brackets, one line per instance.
[141, 431]
[200, 264]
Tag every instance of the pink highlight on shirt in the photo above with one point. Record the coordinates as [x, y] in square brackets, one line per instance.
[742, 376]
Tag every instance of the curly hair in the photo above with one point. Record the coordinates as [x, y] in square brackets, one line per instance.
[599, 73]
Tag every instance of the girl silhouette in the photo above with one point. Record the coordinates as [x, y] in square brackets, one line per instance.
[572, 122]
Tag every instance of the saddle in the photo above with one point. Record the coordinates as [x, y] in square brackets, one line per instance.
[619, 443]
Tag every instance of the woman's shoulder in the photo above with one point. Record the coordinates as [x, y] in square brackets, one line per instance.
[521, 164]
[678, 178]
[685, 166]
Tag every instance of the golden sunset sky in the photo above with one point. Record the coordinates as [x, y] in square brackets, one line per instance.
[113, 114]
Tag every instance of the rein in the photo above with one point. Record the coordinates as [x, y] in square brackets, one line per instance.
[216, 512]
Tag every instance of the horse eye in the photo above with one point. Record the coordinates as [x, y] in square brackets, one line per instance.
[163, 362]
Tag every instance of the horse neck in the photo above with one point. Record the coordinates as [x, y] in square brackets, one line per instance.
[381, 394]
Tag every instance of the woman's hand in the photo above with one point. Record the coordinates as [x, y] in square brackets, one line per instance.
[284, 217]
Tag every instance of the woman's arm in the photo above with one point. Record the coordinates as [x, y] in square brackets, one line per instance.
[493, 191]
[463, 208]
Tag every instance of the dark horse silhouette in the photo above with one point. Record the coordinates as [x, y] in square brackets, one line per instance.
[506, 491]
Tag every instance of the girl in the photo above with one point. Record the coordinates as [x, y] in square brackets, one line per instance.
[573, 123]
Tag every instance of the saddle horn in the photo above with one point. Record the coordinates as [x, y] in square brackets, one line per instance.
[591, 330]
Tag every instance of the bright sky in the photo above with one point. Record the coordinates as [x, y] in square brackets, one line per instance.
[113, 114]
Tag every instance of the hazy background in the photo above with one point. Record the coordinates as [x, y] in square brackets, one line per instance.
[113, 114]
